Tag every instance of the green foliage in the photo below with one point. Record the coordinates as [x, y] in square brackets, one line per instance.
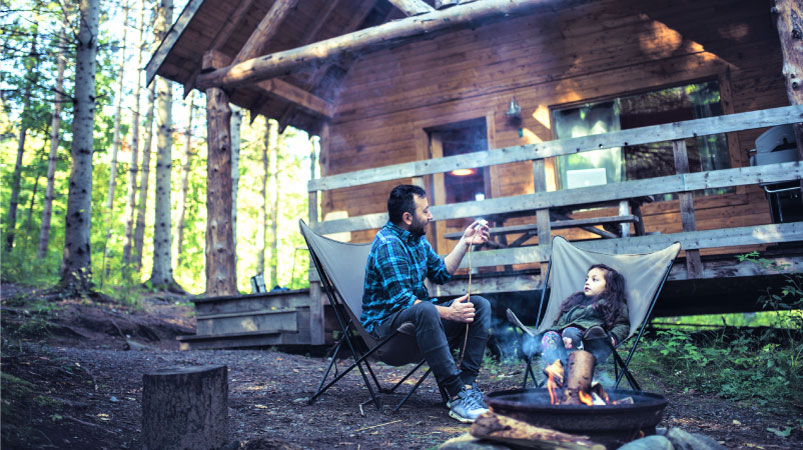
[765, 366]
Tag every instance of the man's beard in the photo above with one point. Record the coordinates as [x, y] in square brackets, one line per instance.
[418, 229]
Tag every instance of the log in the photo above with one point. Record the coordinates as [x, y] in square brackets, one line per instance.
[581, 371]
[500, 428]
[185, 407]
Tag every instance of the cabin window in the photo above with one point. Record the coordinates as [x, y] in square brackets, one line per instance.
[691, 101]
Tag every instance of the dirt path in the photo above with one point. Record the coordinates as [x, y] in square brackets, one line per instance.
[86, 393]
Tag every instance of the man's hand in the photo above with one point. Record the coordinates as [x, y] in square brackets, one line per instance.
[462, 310]
[477, 233]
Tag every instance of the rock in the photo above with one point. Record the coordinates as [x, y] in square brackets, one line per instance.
[683, 440]
[469, 442]
[649, 443]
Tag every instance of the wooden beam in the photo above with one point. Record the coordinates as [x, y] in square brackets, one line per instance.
[280, 63]
[170, 39]
[686, 199]
[771, 173]
[518, 153]
[789, 21]
[412, 7]
[298, 96]
[266, 29]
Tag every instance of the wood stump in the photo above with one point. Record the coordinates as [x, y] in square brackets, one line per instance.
[578, 380]
[185, 408]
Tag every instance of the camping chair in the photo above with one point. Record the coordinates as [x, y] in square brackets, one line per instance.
[645, 275]
[341, 268]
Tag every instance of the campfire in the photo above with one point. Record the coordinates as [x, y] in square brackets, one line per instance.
[579, 388]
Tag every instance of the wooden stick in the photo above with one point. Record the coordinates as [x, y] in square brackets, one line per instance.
[505, 429]
[377, 426]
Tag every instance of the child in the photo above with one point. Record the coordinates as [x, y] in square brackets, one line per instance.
[598, 311]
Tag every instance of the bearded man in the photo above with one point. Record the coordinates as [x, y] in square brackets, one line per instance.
[400, 261]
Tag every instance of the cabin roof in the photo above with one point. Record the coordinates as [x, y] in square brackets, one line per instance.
[303, 96]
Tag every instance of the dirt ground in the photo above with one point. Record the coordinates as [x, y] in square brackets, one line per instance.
[79, 385]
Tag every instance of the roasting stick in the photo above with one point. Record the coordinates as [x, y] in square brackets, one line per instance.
[465, 337]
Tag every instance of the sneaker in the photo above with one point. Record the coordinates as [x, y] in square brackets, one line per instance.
[479, 396]
[465, 408]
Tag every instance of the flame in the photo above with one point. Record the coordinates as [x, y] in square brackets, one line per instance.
[552, 387]
[585, 398]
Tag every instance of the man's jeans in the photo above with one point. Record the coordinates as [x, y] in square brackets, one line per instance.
[434, 335]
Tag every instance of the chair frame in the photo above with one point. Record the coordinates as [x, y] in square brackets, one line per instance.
[361, 359]
[618, 362]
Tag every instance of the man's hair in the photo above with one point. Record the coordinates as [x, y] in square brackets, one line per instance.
[401, 200]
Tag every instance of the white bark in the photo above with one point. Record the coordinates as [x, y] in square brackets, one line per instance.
[144, 181]
[77, 262]
[133, 169]
[55, 124]
[185, 180]
[116, 141]
[274, 214]
[236, 124]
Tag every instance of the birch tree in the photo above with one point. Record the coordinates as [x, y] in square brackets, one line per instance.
[236, 124]
[55, 124]
[162, 270]
[25, 120]
[133, 168]
[269, 143]
[77, 261]
[116, 142]
[185, 180]
[275, 157]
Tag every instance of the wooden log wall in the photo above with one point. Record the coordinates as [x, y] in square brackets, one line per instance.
[601, 49]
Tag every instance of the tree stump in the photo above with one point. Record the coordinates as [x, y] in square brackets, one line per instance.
[185, 408]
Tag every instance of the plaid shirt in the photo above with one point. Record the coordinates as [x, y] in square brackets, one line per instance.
[398, 264]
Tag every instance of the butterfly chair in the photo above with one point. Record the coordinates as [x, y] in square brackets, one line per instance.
[644, 274]
[341, 268]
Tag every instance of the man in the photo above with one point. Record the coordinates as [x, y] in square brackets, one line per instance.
[399, 262]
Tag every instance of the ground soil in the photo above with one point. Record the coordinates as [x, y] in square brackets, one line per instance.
[72, 378]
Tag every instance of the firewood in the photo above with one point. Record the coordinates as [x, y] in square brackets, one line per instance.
[556, 370]
[624, 401]
[496, 427]
[581, 371]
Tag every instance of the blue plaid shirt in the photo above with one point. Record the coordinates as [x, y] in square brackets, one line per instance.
[398, 264]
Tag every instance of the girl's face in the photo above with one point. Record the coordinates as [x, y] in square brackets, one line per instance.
[595, 282]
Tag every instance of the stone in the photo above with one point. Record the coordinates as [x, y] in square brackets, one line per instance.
[683, 440]
[649, 443]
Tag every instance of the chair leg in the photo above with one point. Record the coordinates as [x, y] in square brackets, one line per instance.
[625, 372]
[332, 362]
[420, 380]
[409, 374]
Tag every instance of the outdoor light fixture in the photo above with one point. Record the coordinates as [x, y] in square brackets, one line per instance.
[513, 115]
[463, 172]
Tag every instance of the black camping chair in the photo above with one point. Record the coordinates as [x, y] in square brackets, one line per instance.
[341, 268]
[645, 275]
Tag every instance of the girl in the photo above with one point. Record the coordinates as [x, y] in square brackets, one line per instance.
[598, 311]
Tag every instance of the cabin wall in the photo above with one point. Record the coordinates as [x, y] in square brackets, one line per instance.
[601, 49]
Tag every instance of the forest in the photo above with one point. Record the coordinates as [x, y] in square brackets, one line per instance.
[145, 176]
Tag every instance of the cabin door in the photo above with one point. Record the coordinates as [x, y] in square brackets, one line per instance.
[461, 185]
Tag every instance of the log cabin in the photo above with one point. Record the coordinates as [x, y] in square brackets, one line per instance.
[620, 124]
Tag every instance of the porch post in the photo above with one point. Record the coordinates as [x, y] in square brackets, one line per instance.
[789, 21]
[221, 276]
[694, 265]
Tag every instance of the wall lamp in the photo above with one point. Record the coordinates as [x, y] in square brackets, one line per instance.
[513, 115]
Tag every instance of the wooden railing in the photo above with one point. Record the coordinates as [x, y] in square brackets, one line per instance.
[683, 183]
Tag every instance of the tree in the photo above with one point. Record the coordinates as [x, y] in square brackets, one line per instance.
[236, 125]
[77, 261]
[185, 180]
[269, 143]
[31, 76]
[55, 124]
[116, 143]
[162, 271]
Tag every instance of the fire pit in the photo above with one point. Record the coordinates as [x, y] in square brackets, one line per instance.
[611, 425]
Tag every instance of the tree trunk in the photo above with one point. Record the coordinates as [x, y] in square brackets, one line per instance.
[274, 219]
[29, 217]
[789, 22]
[133, 168]
[116, 142]
[580, 372]
[55, 124]
[220, 264]
[236, 123]
[162, 272]
[185, 181]
[144, 180]
[270, 130]
[185, 408]
[30, 64]
[77, 262]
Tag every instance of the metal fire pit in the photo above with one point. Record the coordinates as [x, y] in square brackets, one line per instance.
[610, 425]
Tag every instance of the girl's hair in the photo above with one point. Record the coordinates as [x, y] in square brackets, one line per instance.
[610, 301]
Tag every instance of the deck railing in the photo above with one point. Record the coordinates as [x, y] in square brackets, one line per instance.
[538, 203]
